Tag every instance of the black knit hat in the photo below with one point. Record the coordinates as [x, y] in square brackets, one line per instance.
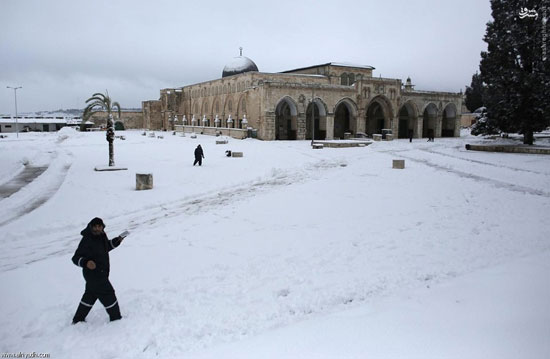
[96, 221]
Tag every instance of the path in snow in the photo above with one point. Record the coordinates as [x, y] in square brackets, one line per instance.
[21, 180]
[22, 253]
[32, 188]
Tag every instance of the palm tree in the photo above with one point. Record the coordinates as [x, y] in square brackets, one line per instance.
[102, 103]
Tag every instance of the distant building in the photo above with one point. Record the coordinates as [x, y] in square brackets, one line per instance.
[279, 106]
[41, 124]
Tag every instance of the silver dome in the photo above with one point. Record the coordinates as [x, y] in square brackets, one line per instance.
[239, 65]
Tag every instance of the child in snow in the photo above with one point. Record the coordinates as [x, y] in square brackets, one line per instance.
[92, 255]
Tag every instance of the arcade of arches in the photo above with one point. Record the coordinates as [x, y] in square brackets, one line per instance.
[327, 101]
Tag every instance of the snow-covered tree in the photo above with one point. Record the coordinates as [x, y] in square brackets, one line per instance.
[484, 125]
[474, 93]
[514, 69]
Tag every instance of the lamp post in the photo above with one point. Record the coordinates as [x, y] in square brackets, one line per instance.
[16, 122]
[312, 115]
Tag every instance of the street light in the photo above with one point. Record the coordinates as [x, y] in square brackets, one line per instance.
[312, 115]
[15, 93]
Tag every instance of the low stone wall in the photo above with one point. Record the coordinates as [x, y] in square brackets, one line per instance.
[510, 149]
[212, 131]
[342, 144]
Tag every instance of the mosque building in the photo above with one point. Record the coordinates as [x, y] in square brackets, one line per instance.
[334, 99]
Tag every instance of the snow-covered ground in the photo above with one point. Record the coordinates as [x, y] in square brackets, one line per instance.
[286, 252]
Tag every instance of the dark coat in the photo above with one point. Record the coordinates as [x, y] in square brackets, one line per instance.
[198, 152]
[95, 248]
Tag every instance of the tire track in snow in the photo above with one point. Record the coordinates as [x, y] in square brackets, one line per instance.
[483, 162]
[63, 244]
[29, 174]
[36, 201]
[499, 184]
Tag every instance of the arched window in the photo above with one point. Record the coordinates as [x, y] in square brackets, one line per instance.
[351, 79]
[344, 79]
[196, 108]
[230, 106]
[217, 107]
[243, 106]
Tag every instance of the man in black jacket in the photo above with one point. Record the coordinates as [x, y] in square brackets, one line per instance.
[199, 155]
[92, 255]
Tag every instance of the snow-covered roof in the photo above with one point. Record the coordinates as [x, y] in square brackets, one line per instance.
[29, 120]
[340, 64]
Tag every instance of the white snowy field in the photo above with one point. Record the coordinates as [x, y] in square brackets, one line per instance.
[287, 252]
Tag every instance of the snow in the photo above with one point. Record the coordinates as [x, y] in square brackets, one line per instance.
[239, 63]
[286, 252]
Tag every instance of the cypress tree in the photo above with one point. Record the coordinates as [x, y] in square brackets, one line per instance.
[474, 93]
[515, 68]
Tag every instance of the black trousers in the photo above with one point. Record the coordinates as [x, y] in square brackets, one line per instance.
[199, 160]
[100, 289]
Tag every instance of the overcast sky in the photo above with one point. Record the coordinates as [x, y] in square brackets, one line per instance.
[62, 51]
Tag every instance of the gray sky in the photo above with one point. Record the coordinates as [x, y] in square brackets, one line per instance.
[62, 51]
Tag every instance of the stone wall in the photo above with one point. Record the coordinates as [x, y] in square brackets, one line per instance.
[152, 118]
[130, 119]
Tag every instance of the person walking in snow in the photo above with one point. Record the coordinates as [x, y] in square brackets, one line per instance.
[92, 255]
[199, 155]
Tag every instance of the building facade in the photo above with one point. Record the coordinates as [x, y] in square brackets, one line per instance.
[331, 99]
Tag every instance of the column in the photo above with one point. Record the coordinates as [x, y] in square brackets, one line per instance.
[330, 126]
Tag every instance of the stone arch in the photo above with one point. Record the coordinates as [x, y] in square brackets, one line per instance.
[216, 108]
[408, 120]
[429, 120]
[215, 111]
[448, 121]
[378, 115]
[320, 116]
[205, 111]
[286, 119]
[345, 117]
[241, 109]
[228, 110]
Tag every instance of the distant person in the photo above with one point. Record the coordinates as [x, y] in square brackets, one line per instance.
[430, 135]
[92, 255]
[410, 135]
[199, 155]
